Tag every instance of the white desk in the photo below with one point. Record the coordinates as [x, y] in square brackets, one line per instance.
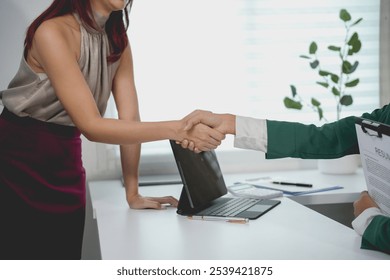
[289, 231]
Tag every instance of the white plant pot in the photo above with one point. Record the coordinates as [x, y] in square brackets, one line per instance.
[345, 165]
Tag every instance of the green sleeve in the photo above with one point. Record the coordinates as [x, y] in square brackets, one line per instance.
[333, 140]
[377, 235]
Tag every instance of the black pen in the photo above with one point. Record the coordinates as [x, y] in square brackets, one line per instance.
[292, 184]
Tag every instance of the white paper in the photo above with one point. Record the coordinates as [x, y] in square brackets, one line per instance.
[267, 183]
[375, 155]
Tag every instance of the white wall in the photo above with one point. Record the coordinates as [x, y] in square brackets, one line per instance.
[15, 15]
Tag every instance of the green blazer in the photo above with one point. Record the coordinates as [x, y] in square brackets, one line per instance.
[333, 140]
[377, 234]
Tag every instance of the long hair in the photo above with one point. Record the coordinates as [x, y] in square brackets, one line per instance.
[116, 25]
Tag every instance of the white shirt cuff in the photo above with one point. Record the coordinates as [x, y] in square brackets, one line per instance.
[251, 134]
[362, 221]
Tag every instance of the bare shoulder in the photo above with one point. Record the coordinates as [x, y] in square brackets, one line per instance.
[65, 27]
[61, 33]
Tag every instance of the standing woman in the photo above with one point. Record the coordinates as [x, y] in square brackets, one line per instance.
[76, 53]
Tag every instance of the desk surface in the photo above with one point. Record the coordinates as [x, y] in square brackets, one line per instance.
[289, 231]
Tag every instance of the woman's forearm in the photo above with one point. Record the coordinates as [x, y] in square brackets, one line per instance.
[124, 132]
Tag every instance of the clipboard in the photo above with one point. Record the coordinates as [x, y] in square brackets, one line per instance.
[374, 145]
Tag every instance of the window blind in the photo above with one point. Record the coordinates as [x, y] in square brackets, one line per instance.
[241, 56]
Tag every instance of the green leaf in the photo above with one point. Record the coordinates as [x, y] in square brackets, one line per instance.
[354, 38]
[355, 66]
[354, 43]
[292, 104]
[314, 64]
[324, 73]
[317, 107]
[335, 78]
[352, 83]
[355, 48]
[320, 113]
[315, 102]
[335, 91]
[344, 15]
[346, 100]
[313, 48]
[334, 48]
[305, 56]
[325, 85]
[293, 90]
[356, 22]
[348, 68]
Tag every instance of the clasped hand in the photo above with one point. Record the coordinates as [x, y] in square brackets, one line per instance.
[205, 130]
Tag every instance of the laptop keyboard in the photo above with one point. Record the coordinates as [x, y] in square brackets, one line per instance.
[230, 208]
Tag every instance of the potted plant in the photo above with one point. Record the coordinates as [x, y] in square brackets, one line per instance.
[338, 82]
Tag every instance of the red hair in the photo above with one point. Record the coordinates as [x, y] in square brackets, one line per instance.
[116, 25]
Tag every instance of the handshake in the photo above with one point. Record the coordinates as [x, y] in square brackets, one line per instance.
[204, 130]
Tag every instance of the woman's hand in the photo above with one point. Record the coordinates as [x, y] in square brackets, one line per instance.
[222, 123]
[203, 137]
[364, 202]
[140, 202]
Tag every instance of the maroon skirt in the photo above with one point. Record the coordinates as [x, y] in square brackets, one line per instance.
[42, 189]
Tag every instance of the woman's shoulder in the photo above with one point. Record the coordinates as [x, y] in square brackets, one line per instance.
[63, 30]
[63, 26]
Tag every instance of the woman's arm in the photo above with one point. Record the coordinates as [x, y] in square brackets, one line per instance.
[126, 101]
[371, 224]
[377, 234]
[53, 52]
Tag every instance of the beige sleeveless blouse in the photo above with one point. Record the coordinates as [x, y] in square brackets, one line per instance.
[31, 94]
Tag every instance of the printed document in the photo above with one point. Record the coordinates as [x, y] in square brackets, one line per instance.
[374, 145]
